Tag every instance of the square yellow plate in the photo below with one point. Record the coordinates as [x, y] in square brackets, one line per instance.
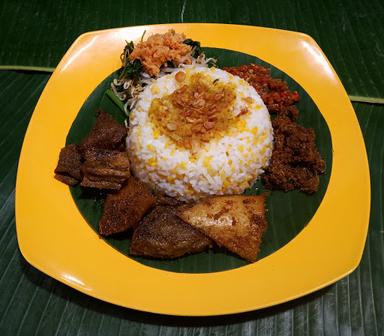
[54, 237]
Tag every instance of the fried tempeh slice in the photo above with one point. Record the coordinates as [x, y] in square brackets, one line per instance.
[124, 209]
[107, 133]
[235, 222]
[104, 169]
[162, 234]
[68, 167]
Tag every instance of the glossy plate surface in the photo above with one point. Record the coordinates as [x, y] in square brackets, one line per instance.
[54, 237]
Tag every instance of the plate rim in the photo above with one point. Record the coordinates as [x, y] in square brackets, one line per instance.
[208, 282]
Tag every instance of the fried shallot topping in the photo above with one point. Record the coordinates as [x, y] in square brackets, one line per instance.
[196, 112]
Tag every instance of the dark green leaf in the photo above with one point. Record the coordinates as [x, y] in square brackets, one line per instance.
[129, 47]
[350, 33]
[196, 47]
[33, 303]
[284, 221]
[109, 93]
[131, 70]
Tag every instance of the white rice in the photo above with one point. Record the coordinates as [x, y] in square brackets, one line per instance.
[223, 166]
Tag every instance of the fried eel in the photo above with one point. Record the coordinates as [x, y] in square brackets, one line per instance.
[162, 234]
[235, 222]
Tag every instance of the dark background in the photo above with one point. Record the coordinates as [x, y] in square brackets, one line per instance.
[35, 34]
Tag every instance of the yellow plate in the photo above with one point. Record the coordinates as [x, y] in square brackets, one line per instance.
[54, 237]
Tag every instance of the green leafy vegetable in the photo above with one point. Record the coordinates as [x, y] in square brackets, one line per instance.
[196, 47]
[170, 64]
[142, 36]
[111, 95]
[129, 47]
[212, 62]
[131, 70]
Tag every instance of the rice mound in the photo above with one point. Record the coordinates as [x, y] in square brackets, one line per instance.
[223, 166]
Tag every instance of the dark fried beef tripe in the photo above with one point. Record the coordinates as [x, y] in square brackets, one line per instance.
[107, 133]
[124, 209]
[104, 169]
[235, 222]
[162, 234]
[295, 162]
[100, 161]
[68, 167]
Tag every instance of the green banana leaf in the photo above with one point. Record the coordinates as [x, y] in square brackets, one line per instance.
[37, 33]
[32, 303]
[284, 221]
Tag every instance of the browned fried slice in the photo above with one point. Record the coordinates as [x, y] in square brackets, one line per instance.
[66, 179]
[105, 169]
[68, 167]
[162, 199]
[106, 133]
[162, 234]
[124, 209]
[107, 185]
[235, 222]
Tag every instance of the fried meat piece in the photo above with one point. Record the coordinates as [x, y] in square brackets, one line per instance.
[163, 199]
[162, 234]
[107, 133]
[104, 169]
[295, 163]
[68, 168]
[235, 222]
[124, 209]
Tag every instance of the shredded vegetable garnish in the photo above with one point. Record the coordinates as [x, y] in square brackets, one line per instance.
[140, 67]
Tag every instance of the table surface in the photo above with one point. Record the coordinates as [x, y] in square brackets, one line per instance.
[33, 37]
